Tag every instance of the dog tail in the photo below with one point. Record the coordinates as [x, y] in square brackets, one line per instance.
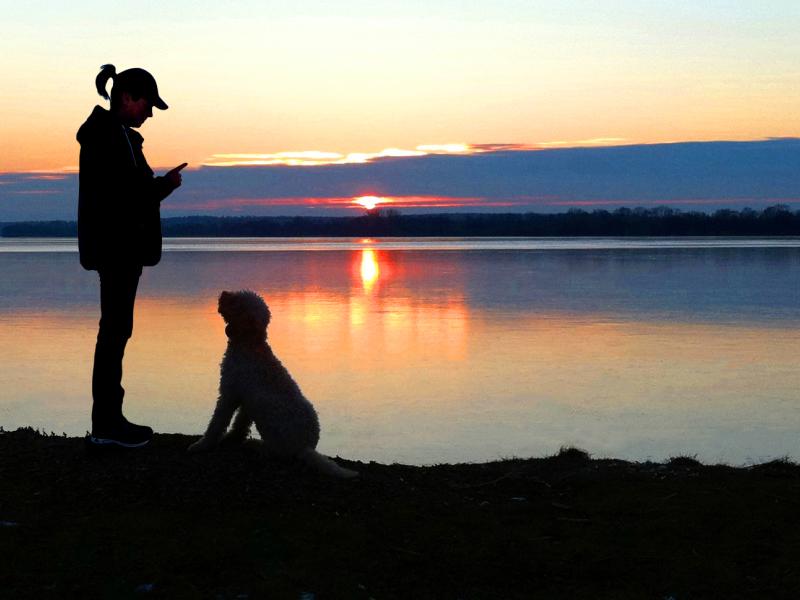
[323, 464]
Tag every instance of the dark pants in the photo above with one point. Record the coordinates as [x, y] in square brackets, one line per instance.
[117, 296]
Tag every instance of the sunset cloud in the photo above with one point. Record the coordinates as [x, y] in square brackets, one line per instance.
[310, 158]
[352, 204]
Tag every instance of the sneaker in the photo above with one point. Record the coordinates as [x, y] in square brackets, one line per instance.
[122, 434]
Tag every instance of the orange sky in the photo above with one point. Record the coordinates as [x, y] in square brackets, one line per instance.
[357, 77]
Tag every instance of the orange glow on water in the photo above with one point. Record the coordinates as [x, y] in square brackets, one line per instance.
[370, 270]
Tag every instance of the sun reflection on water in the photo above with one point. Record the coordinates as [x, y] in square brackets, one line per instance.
[370, 270]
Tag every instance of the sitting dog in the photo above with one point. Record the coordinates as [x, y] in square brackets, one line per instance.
[255, 382]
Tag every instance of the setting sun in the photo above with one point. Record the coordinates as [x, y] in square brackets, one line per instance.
[370, 202]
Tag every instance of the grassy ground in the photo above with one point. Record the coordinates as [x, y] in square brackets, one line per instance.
[160, 523]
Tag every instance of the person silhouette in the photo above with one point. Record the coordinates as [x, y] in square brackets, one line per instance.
[119, 233]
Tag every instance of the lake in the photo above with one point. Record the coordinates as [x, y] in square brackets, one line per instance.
[441, 350]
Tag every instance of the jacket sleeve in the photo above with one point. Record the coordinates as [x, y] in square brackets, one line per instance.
[160, 188]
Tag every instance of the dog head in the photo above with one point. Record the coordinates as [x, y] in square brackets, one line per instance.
[246, 315]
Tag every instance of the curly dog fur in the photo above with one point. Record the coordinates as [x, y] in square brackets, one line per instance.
[255, 383]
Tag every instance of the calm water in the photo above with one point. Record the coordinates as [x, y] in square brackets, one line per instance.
[441, 350]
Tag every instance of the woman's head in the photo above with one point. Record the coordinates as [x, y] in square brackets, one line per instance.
[133, 95]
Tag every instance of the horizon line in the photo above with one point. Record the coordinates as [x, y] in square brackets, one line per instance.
[377, 213]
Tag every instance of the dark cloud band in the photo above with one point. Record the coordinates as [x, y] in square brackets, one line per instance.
[697, 175]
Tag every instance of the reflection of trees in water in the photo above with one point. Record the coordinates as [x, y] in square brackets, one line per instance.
[700, 284]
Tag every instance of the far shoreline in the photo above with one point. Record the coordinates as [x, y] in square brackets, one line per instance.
[777, 220]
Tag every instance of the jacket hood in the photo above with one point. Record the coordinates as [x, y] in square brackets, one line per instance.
[100, 123]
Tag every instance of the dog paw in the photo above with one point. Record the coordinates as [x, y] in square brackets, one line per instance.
[230, 441]
[199, 446]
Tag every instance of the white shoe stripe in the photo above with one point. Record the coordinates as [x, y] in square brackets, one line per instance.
[108, 441]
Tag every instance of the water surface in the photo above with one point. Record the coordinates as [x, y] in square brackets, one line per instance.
[439, 350]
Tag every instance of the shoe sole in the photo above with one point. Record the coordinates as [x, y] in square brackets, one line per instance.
[98, 441]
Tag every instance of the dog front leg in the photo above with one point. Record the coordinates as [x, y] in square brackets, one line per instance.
[240, 428]
[223, 412]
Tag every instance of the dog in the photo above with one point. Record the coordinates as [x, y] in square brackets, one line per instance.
[255, 383]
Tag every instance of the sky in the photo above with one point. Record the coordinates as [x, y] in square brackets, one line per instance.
[271, 82]
[696, 176]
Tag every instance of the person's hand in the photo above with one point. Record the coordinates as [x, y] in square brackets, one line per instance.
[174, 176]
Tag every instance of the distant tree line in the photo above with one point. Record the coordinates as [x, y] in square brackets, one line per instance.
[659, 221]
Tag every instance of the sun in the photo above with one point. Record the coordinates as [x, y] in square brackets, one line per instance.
[370, 202]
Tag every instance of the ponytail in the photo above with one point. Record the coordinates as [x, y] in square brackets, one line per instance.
[106, 72]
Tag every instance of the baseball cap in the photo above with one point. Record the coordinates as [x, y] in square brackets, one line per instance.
[142, 84]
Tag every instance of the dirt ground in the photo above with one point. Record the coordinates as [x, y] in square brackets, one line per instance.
[161, 523]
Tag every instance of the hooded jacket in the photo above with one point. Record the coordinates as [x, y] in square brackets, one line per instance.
[119, 220]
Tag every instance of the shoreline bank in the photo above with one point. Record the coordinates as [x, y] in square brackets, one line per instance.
[160, 522]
